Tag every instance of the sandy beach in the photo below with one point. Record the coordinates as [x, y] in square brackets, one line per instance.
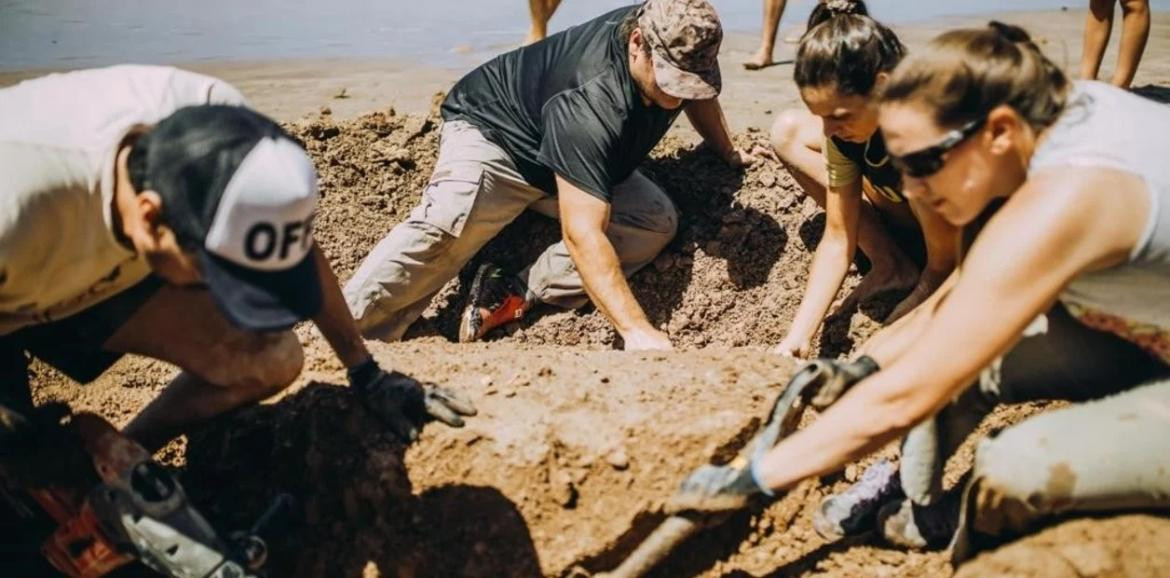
[292, 88]
[576, 446]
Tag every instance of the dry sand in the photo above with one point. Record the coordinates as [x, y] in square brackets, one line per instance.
[576, 445]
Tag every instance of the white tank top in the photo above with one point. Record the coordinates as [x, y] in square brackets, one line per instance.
[1105, 126]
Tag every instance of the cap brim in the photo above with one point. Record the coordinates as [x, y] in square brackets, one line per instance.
[263, 300]
[686, 85]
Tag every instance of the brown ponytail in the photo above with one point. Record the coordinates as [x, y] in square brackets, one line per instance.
[845, 48]
[963, 74]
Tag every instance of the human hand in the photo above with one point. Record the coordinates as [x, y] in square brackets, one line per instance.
[793, 347]
[738, 158]
[403, 403]
[713, 489]
[647, 340]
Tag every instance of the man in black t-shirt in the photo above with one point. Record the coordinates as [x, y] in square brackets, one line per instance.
[559, 127]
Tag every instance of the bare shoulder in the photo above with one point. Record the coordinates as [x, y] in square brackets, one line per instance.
[1096, 212]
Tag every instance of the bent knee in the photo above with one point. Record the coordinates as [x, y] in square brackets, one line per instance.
[261, 363]
[1135, 6]
[1017, 482]
[791, 131]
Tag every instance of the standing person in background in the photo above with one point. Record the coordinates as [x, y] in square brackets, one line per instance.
[773, 12]
[540, 11]
[1135, 31]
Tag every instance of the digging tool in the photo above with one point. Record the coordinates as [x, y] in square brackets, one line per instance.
[818, 383]
[111, 504]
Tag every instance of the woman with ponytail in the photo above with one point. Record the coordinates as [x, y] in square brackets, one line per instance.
[836, 153]
[1063, 193]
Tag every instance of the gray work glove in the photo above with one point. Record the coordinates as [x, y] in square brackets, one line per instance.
[404, 403]
[713, 489]
[837, 377]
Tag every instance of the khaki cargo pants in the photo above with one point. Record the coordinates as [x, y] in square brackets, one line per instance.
[1110, 451]
[474, 192]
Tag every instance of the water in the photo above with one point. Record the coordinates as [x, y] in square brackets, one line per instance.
[81, 33]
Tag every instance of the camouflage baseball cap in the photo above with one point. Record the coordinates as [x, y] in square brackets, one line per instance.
[684, 38]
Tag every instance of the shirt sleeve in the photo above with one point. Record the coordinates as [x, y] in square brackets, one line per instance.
[577, 145]
[195, 89]
[842, 171]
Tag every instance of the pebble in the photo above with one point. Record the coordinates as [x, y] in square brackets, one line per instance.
[851, 473]
[618, 459]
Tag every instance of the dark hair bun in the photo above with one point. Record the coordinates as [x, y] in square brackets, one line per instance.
[846, 7]
[1009, 32]
[826, 10]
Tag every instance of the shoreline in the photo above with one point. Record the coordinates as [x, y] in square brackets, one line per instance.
[287, 89]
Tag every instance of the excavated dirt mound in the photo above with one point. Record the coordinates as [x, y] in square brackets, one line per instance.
[732, 277]
[576, 446]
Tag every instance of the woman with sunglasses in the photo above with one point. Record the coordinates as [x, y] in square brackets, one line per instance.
[1063, 191]
[836, 153]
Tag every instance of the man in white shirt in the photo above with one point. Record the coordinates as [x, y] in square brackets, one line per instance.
[146, 210]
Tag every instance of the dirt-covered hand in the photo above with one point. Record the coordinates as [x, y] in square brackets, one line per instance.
[715, 489]
[837, 377]
[403, 403]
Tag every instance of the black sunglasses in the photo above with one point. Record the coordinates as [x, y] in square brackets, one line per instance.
[925, 162]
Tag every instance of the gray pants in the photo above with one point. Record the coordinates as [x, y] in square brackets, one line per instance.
[1109, 452]
[475, 192]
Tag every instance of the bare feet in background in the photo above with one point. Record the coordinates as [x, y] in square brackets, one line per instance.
[773, 11]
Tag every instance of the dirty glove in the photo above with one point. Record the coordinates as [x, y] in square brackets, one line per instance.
[712, 489]
[404, 403]
[836, 377]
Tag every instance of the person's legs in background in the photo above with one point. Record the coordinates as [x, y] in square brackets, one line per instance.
[1135, 31]
[773, 11]
[540, 12]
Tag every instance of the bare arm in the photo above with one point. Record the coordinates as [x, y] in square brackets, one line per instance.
[887, 345]
[584, 219]
[335, 321]
[1016, 269]
[708, 119]
[829, 266]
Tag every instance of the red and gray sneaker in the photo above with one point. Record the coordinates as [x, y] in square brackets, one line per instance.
[854, 511]
[496, 299]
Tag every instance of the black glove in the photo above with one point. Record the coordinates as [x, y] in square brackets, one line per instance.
[404, 403]
[836, 377]
[38, 451]
[712, 489]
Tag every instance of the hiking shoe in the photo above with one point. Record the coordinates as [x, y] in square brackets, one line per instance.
[854, 511]
[905, 524]
[496, 299]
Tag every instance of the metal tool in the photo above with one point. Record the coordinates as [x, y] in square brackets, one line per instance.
[134, 510]
[782, 421]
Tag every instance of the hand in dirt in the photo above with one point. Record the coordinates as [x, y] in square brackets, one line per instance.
[647, 340]
[714, 489]
[793, 348]
[836, 377]
[404, 403]
[740, 159]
